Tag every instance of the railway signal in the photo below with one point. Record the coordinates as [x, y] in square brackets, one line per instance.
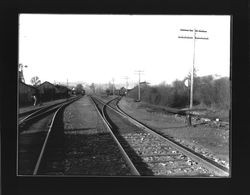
[194, 37]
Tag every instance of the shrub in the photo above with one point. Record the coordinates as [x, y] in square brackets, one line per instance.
[207, 91]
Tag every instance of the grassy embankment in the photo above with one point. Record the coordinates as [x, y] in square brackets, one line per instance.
[211, 96]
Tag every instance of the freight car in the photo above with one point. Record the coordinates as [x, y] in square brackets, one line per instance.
[120, 92]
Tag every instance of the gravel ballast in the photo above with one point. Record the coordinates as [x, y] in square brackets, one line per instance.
[210, 141]
[88, 149]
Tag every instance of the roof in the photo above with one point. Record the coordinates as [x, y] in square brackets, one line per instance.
[27, 84]
[46, 82]
[61, 88]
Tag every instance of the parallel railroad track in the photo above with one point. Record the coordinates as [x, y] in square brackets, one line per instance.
[207, 158]
[37, 134]
[151, 153]
[101, 108]
[24, 116]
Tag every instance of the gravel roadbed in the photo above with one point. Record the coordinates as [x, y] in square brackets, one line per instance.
[88, 147]
[30, 142]
[211, 142]
[161, 158]
[28, 108]
[152, 155]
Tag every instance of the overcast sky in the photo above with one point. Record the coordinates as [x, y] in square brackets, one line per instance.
[97, 48]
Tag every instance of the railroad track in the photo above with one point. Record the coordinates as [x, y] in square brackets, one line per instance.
[150, 153]
[39, 136]
[210, 159]
[30, 113]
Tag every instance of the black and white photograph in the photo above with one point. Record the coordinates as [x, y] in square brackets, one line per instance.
[124, 95]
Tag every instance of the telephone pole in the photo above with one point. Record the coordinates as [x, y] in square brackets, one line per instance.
[67, 88]
[139, 93]
[194, 37]
[113, 86]
[126, 78]
[21, 77]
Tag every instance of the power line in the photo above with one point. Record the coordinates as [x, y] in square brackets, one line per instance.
[194, 37]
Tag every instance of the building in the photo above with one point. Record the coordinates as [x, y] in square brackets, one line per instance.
[62, 91]
[47, 91]
[25, 94]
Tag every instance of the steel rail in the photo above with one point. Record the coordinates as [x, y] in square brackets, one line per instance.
[42, 110]
[47, 136]
[37, 110]
[36, 115]
[218, 169]
[128, 160]
[26, 113]
[30, 115]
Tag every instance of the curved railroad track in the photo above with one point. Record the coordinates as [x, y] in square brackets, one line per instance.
[101, 110]
[22, 117]
[150, 152]
[38, 134]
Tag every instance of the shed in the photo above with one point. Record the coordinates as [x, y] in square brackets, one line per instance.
[25, 93]
[47, 91]
[62, 91]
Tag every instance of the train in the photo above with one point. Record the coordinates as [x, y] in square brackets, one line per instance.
[78, 92]
[121, 92]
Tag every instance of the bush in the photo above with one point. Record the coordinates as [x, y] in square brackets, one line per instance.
[207, 91]
[222, 93]
[203, 90]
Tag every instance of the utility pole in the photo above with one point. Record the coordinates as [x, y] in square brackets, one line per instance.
[21, 77]
[194, 37]
[139, 93]
[67, 88]
[126, 78]
[113, 86]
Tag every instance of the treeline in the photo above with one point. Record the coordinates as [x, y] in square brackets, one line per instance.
[208, 92]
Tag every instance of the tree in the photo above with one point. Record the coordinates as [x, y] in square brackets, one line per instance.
[188, 77]
[180, 94]
[35, 81]
[222, 92]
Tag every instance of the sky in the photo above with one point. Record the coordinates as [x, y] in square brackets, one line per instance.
[99, 48]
